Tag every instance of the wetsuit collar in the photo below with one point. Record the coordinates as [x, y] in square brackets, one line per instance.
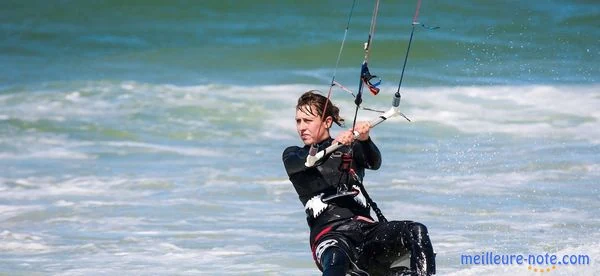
[325, 143]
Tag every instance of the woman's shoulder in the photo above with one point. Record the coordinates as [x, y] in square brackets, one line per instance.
[294, 152]
[291, 149]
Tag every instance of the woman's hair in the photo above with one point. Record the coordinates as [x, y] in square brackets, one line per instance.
[315, 103]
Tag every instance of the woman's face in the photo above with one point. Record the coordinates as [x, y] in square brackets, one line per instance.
[309, 126]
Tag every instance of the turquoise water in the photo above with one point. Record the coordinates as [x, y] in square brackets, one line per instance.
[275, 42]
[145, 137]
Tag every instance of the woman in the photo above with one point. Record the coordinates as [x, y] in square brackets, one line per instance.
[344, 238]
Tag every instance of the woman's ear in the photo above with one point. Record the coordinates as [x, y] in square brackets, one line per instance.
[328, 122]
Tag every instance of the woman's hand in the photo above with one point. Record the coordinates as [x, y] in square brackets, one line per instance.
[363, 130]
[346, 137]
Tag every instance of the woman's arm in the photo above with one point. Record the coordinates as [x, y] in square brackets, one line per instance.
[367, 154]
[293, 160]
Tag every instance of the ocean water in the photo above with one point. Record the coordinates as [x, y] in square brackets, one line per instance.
[145, 137]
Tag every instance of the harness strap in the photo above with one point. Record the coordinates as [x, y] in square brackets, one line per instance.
[313, 247]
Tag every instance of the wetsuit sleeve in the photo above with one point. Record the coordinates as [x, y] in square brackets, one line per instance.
[367, 154]
[293, 160]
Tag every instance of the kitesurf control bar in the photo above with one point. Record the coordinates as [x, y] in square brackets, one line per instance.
[312, 158]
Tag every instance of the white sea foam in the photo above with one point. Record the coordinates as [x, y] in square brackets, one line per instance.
[192, 261]
[476, 183]
[44, 146]
[20, 243]
[10, 211]
[526, 111]
[88, 186]
[186, 151]
[543, 111]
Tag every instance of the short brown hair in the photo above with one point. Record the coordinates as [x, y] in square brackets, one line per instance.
[318, 101]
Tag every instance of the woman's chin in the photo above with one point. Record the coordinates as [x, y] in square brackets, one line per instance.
[307, 141]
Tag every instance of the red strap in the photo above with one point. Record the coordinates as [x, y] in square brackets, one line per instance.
[314, 245]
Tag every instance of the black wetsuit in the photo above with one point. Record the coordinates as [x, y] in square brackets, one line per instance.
[343, 236]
